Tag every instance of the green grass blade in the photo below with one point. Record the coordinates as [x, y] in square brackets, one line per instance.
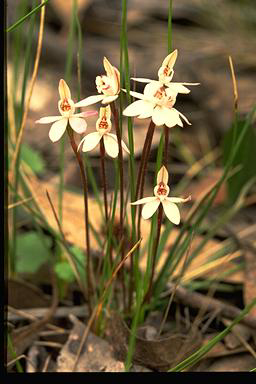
[201, 211]
[195, 357]
[68, 71]
[24, 18]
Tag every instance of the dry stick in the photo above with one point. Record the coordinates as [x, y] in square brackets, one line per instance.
[103, 175]
[174, 290]
[28, 332]
[35, 313]
[86, 216]
[33, 79]
[244, 342]
[19, 358]
[65, 244]
[46, 363]
[198, 300]
[121, 175]
[97, 310]
[21, 202]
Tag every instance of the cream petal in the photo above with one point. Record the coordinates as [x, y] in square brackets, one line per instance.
[178, 87]
[183, 117]
[151, 88]
[136, 108]
[178, 199]
[136, 94]
[124, 146]
[159, 115]
[57, 129]
[90, 141]
[149, 208]
[172, 118]
[111, 145]
[48, 119]
[144, 200]
[78, 124]
[64, 90]
[148, 110]
[86, 114]
[109, 99]
[122, 142]
[172, 211]
[141, 79]
[170, 59]
[89, 101]
[191, 83]
[108, 67]
[162, 175]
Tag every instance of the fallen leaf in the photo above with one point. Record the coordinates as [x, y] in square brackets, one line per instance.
[160, 354]
[96, 356]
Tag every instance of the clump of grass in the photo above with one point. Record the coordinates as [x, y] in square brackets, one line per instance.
[141, 293]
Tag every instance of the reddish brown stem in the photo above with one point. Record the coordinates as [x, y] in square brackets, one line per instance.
[154, 253]
[121, 176]
[166, 146]
[149, 139]
[144, 151]
[103, 175]
[86, 216]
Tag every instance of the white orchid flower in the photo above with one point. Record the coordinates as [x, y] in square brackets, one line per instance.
[165, 75]
[161, 192]
[67, 115]
[156, 102]
[103, 127]
[108, 84]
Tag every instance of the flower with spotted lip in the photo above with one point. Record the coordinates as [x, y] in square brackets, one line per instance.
[161, 192]
[103, 128]
[67, 115]
[108, 84]
[156, 102]
[165, 75]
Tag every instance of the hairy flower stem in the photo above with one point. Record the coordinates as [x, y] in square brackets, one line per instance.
[154, 253]
[144, 162]
[144, 150]
[166, 146]
[86, 218]
[159, 221]
[103, 175]
[121, 176]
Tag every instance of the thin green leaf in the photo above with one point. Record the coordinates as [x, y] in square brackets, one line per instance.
[24, 18]
[195, 357]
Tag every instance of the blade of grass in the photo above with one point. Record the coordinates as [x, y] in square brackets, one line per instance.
[14, 170]
[68, 71]
[22, 19]
[195, 357]
[124, 61]
[201, 211]
[97, 310]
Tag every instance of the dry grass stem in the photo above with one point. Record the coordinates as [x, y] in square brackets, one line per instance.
[30, 91]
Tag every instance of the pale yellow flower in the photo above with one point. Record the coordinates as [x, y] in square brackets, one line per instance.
[103, 128]
[165, 75]
[161, 192]
[67, 115]
[108, 84]
[156, 102]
